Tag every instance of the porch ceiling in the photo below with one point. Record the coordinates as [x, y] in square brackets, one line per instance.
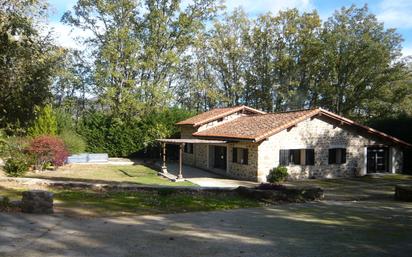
[190, 141]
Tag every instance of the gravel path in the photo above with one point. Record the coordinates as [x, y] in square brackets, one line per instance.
[329, 228]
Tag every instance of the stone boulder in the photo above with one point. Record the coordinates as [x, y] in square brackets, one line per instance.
[37, 201]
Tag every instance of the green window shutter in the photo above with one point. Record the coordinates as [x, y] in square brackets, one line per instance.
[310, 157]
[245, 156]
[234, 154]
[283, 157]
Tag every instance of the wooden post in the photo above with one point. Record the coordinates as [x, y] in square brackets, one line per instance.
[164, 167]
[181, 146]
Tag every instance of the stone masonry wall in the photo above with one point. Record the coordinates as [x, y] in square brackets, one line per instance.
[320, 134]
[243, 171]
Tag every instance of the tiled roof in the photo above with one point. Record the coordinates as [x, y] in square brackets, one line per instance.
[257, 127]
[215, 114]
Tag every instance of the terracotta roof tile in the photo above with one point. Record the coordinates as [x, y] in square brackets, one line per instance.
[215, 114]
[257, 127]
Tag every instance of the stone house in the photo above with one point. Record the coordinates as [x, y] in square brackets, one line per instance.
[245, 143]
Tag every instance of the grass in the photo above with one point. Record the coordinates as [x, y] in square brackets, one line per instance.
[367, 187]
[137, 174]
[92, 203]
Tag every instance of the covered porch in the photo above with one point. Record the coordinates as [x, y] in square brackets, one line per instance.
[181, 146]
[204, 178]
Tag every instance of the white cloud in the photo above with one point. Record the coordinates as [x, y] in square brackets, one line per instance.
[407, 51]
[66, 35]
[274, 6]
[396, 13]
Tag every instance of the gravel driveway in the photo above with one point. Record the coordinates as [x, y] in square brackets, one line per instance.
[329, 228]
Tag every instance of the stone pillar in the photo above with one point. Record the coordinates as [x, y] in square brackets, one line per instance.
[181, 146]
[164, 166]
[37, 201]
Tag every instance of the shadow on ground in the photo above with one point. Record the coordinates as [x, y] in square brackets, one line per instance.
[313, 229]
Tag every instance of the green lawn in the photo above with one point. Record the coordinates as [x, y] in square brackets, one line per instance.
[367, 187]
[92, 203]
[137, 174]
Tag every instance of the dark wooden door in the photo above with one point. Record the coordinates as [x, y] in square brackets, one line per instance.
[220, 157]
[377, 159]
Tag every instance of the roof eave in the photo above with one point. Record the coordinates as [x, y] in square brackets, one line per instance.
[240, 139]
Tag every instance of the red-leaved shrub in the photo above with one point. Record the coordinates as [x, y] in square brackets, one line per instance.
[48, 149]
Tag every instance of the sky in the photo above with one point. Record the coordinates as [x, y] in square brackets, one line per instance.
[394, 13]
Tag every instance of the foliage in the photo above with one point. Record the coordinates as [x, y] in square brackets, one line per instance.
[64, 120]
[45, 123]
[72, 84]
[3, 143]
[27, 59]
[47, 150]
[117, 137]
[13, 145]
[349, 64]
[73, 142]
[104, 133]
[16, 166]
[278, 174]
[137, 47]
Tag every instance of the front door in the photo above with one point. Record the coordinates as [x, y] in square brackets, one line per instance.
[378, 159]
[220, 157]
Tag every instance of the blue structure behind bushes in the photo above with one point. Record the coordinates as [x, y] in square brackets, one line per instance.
[88, 158]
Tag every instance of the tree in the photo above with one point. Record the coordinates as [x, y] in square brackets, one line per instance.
[229, 55]
[45, 123]
[72, 82]
[26, 62]
[360, 57]
[197, 85]
[137, 48]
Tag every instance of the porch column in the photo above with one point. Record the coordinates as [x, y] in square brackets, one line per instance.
[164, 167]
[181, 146]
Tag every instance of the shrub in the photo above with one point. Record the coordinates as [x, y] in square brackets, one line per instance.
[16, 166]
[122, 137]
[73, 142]
[45, 123]
[47, 150]
[278, 174]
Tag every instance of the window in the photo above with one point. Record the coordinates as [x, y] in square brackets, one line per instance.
[309, 156]
[188, 148]
[240, 155]
[297, 156]
[337, 155]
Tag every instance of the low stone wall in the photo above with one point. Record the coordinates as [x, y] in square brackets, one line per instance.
[282, 193]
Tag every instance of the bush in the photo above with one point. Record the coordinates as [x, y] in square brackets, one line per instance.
[16, 166]
[48, 150]
[73, 142]
[45, 123]
[278, 174]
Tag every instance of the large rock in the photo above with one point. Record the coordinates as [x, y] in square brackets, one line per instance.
[37, 201]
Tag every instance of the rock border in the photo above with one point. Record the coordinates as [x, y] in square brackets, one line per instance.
[284, 193]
